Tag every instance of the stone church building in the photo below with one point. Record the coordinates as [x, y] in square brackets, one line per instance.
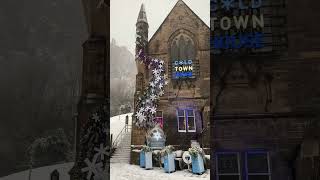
[183, 111]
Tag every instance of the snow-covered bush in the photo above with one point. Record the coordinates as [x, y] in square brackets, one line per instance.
[146, 148]
[167, 150]
[53, 147]
[195, 151]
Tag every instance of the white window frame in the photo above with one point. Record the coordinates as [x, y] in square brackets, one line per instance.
[258, 174]
[187, 120]
[185, 117]
[228, 174]
[178, 118]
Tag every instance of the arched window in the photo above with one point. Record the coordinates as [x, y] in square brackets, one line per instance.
[183, 59]
[182, 48]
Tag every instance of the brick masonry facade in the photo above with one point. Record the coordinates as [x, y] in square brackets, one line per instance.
[270, 102]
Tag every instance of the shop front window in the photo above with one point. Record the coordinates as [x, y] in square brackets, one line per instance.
[186, 120]
[228, 166]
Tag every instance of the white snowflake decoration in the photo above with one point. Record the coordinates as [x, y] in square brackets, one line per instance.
[161, 93]
[157, 135]
[160, 85]
[153, 110]
[92, 167]
[148, 108]
[153, 97]
[155, 72]
[158, 78]
[139, 114]
[152, 84]
[142, 118]
[96, 117]
[101, 151]
[152, 92]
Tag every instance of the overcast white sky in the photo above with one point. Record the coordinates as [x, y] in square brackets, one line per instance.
[124, 14]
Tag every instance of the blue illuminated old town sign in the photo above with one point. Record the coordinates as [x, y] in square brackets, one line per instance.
[237, 24]
[182, 69]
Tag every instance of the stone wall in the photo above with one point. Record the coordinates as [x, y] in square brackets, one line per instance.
[268, 101]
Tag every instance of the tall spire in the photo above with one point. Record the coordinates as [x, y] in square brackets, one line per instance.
[142, 29]
[142, 15]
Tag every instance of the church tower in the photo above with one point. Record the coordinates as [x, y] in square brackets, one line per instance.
[142, 28]
[142, 78]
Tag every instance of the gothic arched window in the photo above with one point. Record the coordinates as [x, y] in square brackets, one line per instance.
[183, 55]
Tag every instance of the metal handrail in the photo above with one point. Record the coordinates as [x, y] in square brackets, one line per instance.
[119, 136]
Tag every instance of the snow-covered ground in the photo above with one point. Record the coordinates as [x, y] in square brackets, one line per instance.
[120, 171]
[42, 173]
[117, 123]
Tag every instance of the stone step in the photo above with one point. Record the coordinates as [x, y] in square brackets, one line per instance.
[126, 161]
[123, 149]
[125, 155]
[120, 159]
[122, 153]
[120, 156]
[126, 147]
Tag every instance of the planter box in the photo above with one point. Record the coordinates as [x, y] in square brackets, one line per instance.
[142, 159]
[197, 164]
[148, 160]
[169, 165]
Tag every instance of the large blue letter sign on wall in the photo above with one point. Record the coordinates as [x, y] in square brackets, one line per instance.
[182, 69]
[233, 30]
